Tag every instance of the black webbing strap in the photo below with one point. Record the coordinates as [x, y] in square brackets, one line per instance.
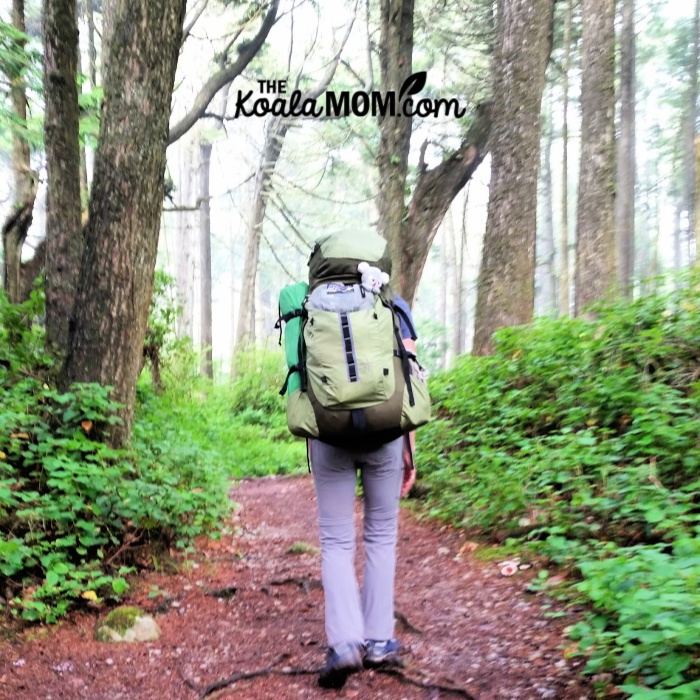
[350, 361]
[407, 319]
[294, 368]
[284, 318]
[403, 355]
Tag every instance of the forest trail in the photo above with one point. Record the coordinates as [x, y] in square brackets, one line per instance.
[463, 623]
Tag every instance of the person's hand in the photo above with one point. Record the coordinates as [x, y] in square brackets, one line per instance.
[409, 470]
[409, 478]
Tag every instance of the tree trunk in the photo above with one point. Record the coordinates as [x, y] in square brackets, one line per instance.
[16, 226]
[185, 266]
[31, 269]
[689, 129]
[544, 249]
[444, 291]
[64, 239]
[435, 190]
[395, 61]
[677, 236]
[116, 281]
[109, 10]
[274, 140]
[460, 331]
[505, 293]
[205, 260]
[564, 279]
[626, 159]
[595, 222]
[457, 259]
[92, 51]
[697, 200]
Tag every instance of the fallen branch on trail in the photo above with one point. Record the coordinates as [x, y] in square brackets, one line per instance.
[270, 670]
[307, 584]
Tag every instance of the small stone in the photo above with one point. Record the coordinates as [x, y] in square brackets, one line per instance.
[290, 637]
[127, 624]
[19, 663]
[109, 662]
[443, 550]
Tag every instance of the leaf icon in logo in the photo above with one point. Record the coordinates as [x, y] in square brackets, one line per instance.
[413, 84]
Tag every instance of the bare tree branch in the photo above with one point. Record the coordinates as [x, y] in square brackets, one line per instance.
[225, 76]
[195, 17]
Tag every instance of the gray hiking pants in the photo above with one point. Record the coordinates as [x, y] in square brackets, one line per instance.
[353, 616]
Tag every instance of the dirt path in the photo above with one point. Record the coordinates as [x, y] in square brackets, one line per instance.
[474, 628]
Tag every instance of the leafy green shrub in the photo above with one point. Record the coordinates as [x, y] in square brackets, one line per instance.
[581, 436]
[70, 506]
[648, 624]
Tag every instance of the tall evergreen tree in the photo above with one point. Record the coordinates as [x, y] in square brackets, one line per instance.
[505, 295]
[595, 222]
[64, 241]
[116, 280]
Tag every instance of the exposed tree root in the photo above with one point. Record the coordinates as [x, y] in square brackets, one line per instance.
[271, 670]
[211, 691]
[444, 687]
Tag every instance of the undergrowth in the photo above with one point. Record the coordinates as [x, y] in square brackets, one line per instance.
[582, 438]
[77, 517]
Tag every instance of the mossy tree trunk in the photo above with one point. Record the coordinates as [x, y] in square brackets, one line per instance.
[506, 285]
[116, 281]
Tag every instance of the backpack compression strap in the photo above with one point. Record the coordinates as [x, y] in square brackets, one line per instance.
[284, 318]
[403, 353]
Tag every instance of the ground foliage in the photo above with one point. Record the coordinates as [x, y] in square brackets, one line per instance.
[78, 517]
[581, 438]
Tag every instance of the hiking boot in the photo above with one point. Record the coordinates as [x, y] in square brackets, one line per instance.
[341, 662]
[382, 653]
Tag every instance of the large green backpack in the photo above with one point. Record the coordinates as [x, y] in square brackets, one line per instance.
[351, 382]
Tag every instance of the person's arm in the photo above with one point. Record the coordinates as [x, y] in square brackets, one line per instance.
[409, 449]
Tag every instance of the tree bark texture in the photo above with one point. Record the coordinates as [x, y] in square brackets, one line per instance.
[395, 61]
[564, 278]
[595, 219]
[64, 239]
[92, 51]
[184, 253]
[689, 130]
[16, 226]
[626, 165]
[116, 282]
[207, 368]
[505, 292]
[109, 10]
[546, 280]
[697, 200]
[434, 192]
